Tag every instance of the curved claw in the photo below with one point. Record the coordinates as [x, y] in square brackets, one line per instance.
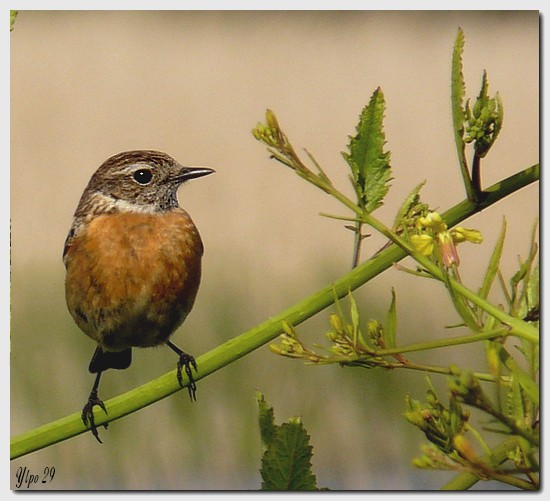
[187, 361]
[88, 414]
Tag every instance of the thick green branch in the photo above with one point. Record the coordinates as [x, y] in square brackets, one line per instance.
[249, 341]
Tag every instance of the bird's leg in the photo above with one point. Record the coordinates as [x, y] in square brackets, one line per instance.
[186, 361]
[88, 409]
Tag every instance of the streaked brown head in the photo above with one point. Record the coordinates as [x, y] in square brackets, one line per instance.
[140, 180]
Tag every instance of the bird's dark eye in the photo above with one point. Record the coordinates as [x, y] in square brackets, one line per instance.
[143, 176]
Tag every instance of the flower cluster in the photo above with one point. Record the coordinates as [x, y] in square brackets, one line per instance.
[432, 233]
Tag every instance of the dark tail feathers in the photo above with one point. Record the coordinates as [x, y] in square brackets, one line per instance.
[103, 360]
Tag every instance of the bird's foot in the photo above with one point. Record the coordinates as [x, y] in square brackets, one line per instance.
[88, 414]
[187, 361]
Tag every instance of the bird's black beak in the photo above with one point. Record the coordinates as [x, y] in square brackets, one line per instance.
[187, 173]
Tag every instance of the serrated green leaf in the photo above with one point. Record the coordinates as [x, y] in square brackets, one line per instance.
[286, 465]
[494, 263]
[369, 163]
[266, 419]
[391, 321]
[458, 91]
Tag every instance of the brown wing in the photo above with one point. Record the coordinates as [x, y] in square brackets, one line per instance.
[68, 242]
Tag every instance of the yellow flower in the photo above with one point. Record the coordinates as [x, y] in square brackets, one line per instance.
[433, 230]
[423, 243]
[462, 234]
[432, 221]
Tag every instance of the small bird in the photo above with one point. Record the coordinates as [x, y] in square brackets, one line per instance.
[133, 261]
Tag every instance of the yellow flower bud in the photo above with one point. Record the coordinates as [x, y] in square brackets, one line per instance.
[433, 221]
[335, 323]
[464, 448]
[448, 250]
[271, 119]
[288, 329]
[275, 348]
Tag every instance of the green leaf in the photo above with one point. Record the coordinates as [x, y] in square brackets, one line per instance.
[523, 275]
[529, 387]
[533, 289]
[530, 292]
[354, 313]
[369, 163]
[515, 402]
[462, 306]
[494, 263]
[408, 207]
[286, 465]
[458, 91]
[391, 327]
[13, 15]
[527, 384]
[266, 420]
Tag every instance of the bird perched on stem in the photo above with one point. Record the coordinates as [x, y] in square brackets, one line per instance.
[133, 260]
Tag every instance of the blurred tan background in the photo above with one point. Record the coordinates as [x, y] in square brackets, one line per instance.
[87, 85]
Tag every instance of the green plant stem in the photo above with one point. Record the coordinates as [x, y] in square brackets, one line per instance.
[498, 455]
[532, 438]
[482, 376]
[249, 341]
[357, 244]
[430, 345]
[440, 343]
[524, 485]
[476, 176]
